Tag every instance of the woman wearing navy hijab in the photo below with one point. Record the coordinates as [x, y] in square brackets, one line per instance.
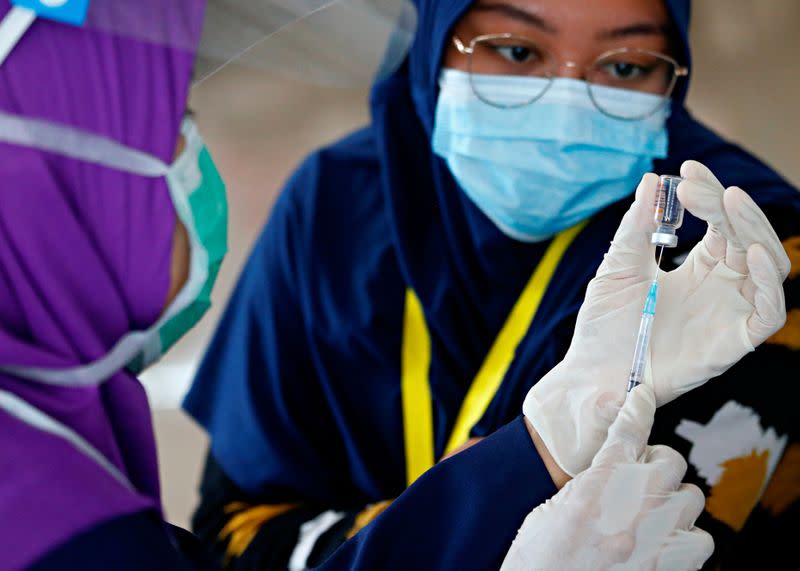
[374, 329]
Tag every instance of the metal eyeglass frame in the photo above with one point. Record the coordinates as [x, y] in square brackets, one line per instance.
[678, 72]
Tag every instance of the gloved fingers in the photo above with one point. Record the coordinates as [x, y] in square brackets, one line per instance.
[733, 214]
[631, 251]
[646, 191]
[703, 258]
[752, 227]
[736, 257]
[691, 502]
[695, 170]
[686, 550]
[701, 194]
[628, 434]
[670, 467]
[769, 313]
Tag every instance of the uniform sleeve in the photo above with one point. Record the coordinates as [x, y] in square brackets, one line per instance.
[461, 514]
[128, 543]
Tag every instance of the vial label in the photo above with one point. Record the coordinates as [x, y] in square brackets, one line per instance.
[668, 211]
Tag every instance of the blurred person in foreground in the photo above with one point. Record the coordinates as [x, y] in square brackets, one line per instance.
[113, 224]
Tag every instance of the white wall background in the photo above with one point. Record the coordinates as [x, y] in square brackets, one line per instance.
[746, 85]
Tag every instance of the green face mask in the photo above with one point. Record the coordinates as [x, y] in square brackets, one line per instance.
[198, 194]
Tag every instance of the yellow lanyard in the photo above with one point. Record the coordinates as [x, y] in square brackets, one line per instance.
[416, 360]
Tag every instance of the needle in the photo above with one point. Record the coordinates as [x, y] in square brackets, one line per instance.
[658, 264]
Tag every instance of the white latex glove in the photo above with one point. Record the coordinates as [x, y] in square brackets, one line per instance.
[725, 299]
[628, 511]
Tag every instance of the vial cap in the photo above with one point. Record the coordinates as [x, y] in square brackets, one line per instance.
[663, 239]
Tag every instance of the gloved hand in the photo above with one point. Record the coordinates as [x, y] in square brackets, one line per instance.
[629, 510]
[725, 299]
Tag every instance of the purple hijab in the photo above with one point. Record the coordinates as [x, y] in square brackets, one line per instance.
[85, 255]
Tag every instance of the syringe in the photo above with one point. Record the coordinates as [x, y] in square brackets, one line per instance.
[668, 217]
[645, 329]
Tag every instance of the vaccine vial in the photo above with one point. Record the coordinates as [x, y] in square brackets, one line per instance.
[669, 212]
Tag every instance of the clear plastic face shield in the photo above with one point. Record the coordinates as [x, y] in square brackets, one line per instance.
[346, 43]
[340, 42]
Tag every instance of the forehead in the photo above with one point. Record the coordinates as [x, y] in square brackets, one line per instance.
[566, 15]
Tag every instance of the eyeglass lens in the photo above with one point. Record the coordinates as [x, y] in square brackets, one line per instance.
[631, 69]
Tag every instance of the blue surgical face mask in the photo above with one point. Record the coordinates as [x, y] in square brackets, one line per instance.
[539, 169]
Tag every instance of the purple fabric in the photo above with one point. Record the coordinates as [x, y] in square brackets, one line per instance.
[85, 257]
[114, 86]
[155, 21]
[49, 493]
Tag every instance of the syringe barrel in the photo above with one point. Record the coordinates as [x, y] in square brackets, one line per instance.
[643, 338]
[640, 353]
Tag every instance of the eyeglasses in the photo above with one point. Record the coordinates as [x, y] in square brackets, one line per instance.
[633, 69]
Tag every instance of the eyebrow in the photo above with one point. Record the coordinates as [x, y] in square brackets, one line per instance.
[637, 29]
[517, 14]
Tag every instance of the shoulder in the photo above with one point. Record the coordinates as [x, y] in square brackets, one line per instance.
[329, 232]
[52, 491]
[333, 203]
[338, 175]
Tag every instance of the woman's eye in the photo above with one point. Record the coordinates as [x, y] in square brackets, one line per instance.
[516, 54]
[626, 70]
